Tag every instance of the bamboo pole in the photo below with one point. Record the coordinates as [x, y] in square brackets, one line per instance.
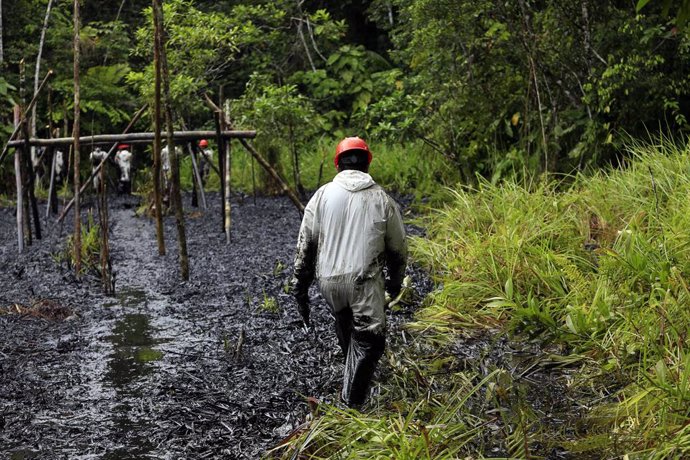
[135, 138]
[262, 161]
[100, 165]
[75, 131]
[157, 199]
[20, 191]
[23, 118]
[174, 158]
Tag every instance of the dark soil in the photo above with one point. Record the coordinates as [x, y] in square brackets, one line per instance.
[215, 367]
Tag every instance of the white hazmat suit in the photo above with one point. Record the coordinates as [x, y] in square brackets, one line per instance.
[351, 229]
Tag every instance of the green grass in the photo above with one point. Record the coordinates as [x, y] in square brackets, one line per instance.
[600, 266]
[412, 169]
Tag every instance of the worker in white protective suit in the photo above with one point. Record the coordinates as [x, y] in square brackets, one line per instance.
[166, 172]
[96, 156]
[351, 229]
[123, 160]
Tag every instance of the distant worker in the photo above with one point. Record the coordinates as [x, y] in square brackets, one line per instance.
[96, 156]
[351, 229]
[123, 160]
[60, 172]
[166, 171]
[206, 160]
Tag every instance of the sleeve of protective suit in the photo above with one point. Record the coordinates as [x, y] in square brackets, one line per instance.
[307, 247]
[396, 249]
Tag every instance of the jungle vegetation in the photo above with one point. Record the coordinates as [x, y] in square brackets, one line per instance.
[545, 142]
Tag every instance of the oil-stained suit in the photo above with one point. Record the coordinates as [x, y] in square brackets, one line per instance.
[351, 229]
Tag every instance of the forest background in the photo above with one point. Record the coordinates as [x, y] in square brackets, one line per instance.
[489, 88]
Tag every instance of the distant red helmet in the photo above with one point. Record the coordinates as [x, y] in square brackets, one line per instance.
[350, 143]
[123, 146]
[203, 143]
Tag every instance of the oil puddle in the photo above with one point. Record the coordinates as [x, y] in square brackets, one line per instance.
[130, 371]
[133, 352]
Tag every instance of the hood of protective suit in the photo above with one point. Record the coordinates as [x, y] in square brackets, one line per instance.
[353, 180]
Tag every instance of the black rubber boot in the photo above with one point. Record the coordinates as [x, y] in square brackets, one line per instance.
[366, 348]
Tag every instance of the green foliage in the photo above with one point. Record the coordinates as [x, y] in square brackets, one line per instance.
[200, 47]
[90, 248]
[603, 277]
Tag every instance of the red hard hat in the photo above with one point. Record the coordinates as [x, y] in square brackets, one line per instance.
[203, 143]
[123, 146]
[351, 143]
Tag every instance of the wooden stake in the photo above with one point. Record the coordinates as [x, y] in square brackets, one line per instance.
[106, 268]
[24, 165]
[228, 171]
[221, 164]
[75, 134]
[174, 159]
[20, 191]
[157, 198]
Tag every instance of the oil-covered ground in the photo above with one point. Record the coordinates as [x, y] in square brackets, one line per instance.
[215, 367]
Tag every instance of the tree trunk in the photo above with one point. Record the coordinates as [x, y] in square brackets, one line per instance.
[75, 135]
[37, 73]
[157, 200]
[176, 197]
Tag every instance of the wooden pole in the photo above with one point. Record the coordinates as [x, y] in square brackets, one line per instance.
[135, 138]
[30, 182]
[20, 191]
[221, 164]
[262, 161]
[69, 205]
[75, 134]
[157, 199]
[106, 268]
[30, 178]
[228, 171]
[176, 197]
[25, 166]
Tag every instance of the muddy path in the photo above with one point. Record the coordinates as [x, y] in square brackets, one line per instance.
[215, 367]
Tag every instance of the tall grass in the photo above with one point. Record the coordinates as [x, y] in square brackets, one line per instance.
[600, 266]
[412, 169]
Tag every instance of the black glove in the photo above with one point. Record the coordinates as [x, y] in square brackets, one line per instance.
[303, 307]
